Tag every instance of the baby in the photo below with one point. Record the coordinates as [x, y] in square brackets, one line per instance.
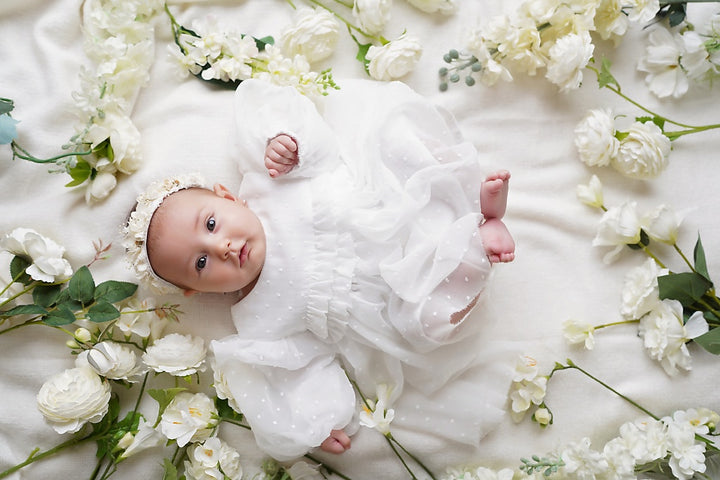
[362, 265]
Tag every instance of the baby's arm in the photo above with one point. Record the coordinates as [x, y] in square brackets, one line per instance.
[281, 155]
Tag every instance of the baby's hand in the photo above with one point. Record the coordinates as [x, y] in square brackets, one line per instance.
[337, 442]
[281, 155]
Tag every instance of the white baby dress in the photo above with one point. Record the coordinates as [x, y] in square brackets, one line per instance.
[372, 243]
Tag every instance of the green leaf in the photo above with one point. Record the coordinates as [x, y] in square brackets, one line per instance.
[225, 411]
[64, 299]
[699, 258]
[710, 341]
[79, 173]
[677, 14]
[102, 312]
[686, 287]
[164, 397]
[6, 105]
[113, 291]
[60, 316]
[46, 295]
[606, 78]
[263, 42]
[362, 55]
[82, 286]
[18, 265]
[170, 470]
[30, 309]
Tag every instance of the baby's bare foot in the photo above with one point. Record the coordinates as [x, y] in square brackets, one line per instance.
[494, 193]
[497, 241]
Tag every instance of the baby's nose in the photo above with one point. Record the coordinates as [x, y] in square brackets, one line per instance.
[222, 248]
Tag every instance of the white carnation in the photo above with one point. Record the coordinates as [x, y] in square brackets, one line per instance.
[568, 57]
[176, 354]
[314, 34]
[583, 462]
[394, 59]
[640, 290]
[595, 138]
[643, 152]
[72, 398]
[665, 337]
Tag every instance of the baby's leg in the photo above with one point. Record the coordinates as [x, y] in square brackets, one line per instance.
[493, 195]
[497, 241]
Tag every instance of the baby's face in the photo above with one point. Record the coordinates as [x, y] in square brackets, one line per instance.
[207, 241]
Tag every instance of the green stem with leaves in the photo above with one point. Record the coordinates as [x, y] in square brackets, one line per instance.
[34, 456]
[19, 152]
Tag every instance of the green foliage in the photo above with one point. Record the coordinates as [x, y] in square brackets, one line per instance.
[6, 105]
[546, 465]
[164, 397]
[226, 412]
[79, 173]
[606, 78]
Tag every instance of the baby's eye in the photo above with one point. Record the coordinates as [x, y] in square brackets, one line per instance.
[210, 224]
[201, 262]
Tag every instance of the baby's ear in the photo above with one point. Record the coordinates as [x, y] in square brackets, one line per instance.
[222, 192]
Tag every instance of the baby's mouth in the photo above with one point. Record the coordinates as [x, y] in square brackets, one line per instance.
[243, 254]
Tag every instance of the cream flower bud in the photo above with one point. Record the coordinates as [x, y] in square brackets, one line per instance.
[111, 360]
[576, 331]
[595, 138]
[591, 194]
[82, 335]
[100, 187]
[643, 152]
[394, 59]
[542, 416]
[72, 398]
[662, 224]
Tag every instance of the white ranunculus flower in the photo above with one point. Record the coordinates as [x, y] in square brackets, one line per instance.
[576, 331]
[619, 226]
[643, 152]
[662, 224]
[176, 354]
[304, 471]
[641, 11]
[640, 290]
[100, 186]
[372, 15]
[394, 59]
[665, 336]
[189, 418]
[568, 57]
[111, 360]
[591, 194]
[314, 34]
[213, 459]
[46, 256]
[445, 7]
[595, 138]
[72, 398]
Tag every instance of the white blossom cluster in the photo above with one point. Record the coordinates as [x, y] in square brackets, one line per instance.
[645, 444]
[676, 57]
[641, 151]
[554, 35]
[528, 389]
[119, 41]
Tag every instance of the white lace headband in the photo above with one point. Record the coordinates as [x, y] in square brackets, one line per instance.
[135, 231]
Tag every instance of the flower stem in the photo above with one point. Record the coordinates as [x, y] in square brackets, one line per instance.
[32, 321]
[652, 255]
[612, 324]
[34, 456]
[415, 459]
[329, 469]
[685, 259]
[402, 460]
[23, 154]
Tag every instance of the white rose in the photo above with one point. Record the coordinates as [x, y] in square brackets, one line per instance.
[110, 360]
[568, 57]
[595, 138]
[646, 439]
[662, 224]
[176, 354]
[518, 42]
[394, 59]
[213, 459]
[372, 15]
[640, 290]
[46, 256]
[314, 34]
[189, 418]
[446, 7]
[643, 153]
[72, 398]
[619, 226]
[100, 186]
[591, 194]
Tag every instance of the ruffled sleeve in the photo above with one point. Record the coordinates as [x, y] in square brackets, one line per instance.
[264, 111]
[290, 401]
